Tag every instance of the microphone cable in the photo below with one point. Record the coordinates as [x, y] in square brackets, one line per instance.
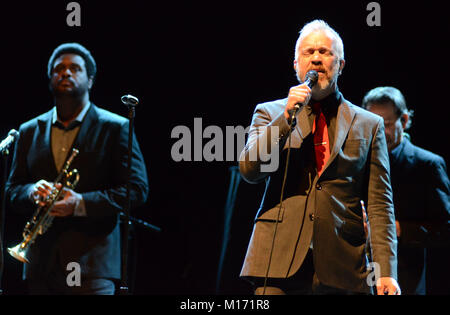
[281, 201]
[311, 79]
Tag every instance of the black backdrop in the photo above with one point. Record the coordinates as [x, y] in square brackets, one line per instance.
[215, 60]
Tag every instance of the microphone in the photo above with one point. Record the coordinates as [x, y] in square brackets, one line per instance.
[129, 100]
[13, 135]
[311, 79]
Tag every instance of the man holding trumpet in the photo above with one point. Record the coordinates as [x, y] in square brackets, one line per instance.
[85, 227]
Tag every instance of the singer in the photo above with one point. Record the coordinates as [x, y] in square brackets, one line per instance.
[314, 242]
[86, 225]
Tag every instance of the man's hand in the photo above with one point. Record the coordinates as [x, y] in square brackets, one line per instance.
[397, 227]
[388, 286]
[65, 206]
[297, 94]
[40, 191]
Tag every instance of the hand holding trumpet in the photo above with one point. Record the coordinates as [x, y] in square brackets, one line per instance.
[65, 205]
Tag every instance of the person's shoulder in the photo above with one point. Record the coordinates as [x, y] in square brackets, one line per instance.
[106, 116]
[272, 108]
[275, 104]
[363, 120]
[425, 155]
[33, 122]
[364, 113]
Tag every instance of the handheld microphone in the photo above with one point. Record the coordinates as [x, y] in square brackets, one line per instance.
[13, 135]
[129, 100]
[311, 79]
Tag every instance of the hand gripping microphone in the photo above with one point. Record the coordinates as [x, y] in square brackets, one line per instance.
[311, 79]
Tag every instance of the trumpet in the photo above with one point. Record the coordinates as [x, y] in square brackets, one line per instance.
[41, 219]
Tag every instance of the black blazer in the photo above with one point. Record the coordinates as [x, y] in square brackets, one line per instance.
[421, 191]
[92, 241]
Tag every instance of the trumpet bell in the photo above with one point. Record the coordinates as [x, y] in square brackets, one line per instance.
[19, 253]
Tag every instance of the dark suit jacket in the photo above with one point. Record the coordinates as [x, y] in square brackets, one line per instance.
[421, 197]
[92, 241]
[324, 209]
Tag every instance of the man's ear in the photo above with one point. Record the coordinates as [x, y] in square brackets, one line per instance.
[90, 82]
[404, 118]
[341, 65]
[295, 65]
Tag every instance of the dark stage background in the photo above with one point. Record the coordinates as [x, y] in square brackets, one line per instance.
[213, 60]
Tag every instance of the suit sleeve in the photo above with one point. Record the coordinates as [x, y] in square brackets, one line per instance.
[113, 199]
[438, 211]
[266, 138]
[380, 209]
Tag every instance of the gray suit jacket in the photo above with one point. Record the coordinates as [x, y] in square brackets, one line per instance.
[325, 210]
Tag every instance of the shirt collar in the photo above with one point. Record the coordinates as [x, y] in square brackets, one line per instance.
[329, 104]
[395, 153]
[75, 122]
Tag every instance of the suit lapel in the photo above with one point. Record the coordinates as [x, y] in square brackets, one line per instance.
[344, 121]
[45, 128]
[408, 151]
[89, 121]
[303, 126]
[405, 157]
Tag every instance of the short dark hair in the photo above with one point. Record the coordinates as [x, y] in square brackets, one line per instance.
[73, 48]
[385, 95]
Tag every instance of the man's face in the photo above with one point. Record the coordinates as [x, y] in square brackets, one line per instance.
[393, 124]
[317, 52]
[69, 76]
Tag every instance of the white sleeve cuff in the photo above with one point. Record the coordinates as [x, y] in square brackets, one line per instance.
[80, 208]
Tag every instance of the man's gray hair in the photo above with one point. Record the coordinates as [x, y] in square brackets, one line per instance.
[385, 95]
[320, 25]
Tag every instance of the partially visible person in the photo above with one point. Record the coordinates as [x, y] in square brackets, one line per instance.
[421, 190]
[85, 228]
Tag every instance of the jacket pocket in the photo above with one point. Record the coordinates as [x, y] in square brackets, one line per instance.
[272, 215]
[353, 232]
[352, 157]
[354, 148]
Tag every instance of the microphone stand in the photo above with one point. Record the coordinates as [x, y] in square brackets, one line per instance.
[141, 223]
[228, 213]
[124, 290]
[134, 222]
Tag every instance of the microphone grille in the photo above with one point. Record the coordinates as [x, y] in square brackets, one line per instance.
[13, 133]
[313, 76]
[130, 100]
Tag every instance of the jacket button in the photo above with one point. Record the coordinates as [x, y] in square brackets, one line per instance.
[318, 187]
[311, 216]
